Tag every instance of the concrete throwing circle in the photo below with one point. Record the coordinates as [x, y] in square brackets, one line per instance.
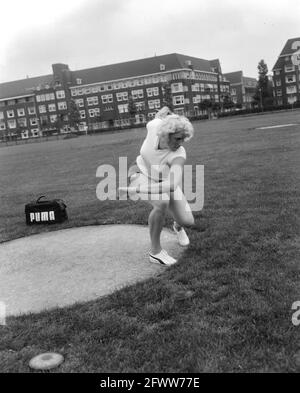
[60, 268]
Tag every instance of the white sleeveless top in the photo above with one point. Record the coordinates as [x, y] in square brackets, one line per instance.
[154, 162]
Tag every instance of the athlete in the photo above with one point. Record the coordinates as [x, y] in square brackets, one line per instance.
[157, 178]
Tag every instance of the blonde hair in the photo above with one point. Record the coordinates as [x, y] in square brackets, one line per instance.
[163, 112]
[175, 123]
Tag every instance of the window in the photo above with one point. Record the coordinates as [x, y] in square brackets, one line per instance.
[279, 93]
[177, 87]
[140, 106]
[151, 115]
[82, 114]
[52, 107]
[154, 104]
[11, 123]
[74, 92]
[10, 113]
[79, 102]
[92, 101]
[179, 111]
[40, 98]
[31, 110]
[122, 96]
[137, 94]
[95, 89]
[108, 98]
[62, 105]
[60, 94]
[2, 126]
[42, 108]
[123, 108]
[196, 99]
[53, 118]
[24, 134]
[290, 79]
[152, 91]
[291, 90]
[82, 126]
[35, 132]
[196, 87]
[162, 67]
[292, 99]
[49, 97]
[33, 122]
[94, 112]
[22, 122]
[21, 111]
[78, 81]
[178, 100]
[87, 91]
[289, 68]
[278, 83]
[1, 115]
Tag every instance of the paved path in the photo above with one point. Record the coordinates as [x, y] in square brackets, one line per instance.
[56, 269]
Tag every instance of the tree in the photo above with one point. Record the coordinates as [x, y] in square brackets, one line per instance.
[132, 109]
[74, 115]
[44, 124]
[167, 96]
[227, 102]
[206, 105]
[59, 123]
[263, 92]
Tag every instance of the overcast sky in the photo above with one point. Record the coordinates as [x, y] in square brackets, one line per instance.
[88, 33]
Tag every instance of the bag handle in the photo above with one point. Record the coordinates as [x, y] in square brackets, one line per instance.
[38, 200]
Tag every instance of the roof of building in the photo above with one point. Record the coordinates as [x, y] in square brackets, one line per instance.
[291, 46]
[238, 77]
[234, 77]
[140, 67]
[111, 72]
[23, 87]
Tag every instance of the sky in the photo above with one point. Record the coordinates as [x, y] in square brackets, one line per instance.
[89, 33]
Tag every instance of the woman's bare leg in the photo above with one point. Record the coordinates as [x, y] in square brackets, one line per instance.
[156, 221]
[180, 209]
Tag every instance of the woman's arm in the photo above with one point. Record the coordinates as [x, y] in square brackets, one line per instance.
[170, 184]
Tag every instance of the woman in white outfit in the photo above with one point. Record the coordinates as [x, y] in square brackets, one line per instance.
[157, 177]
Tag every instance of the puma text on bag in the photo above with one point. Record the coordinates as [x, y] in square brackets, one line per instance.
[45, 211]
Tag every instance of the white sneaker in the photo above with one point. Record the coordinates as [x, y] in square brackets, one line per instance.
[182, 237]
[162, 258]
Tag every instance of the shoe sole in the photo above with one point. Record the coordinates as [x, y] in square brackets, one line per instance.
[159, 261]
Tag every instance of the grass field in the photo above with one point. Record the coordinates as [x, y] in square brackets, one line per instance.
[225, 307]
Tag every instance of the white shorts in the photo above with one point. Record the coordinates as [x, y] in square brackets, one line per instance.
[143, 180]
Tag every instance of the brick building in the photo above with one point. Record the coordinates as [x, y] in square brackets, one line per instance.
[35, 106]
[242, 89]
[286, 76]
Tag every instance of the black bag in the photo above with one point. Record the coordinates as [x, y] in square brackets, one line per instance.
[45, 212]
